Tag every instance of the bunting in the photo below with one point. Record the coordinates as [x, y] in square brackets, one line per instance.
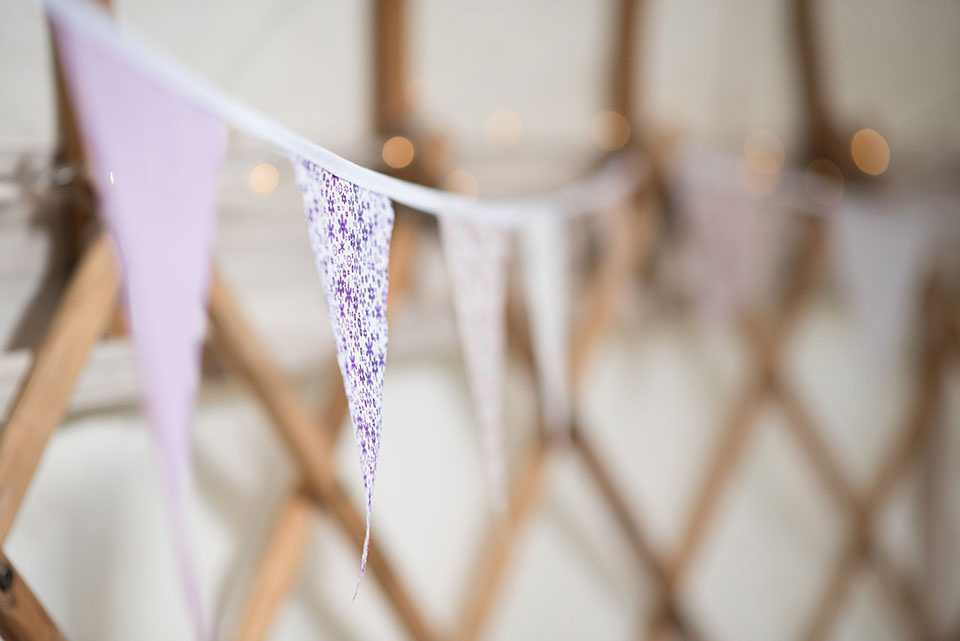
[880, 257]
[350, 230]
[547, 281]
[730, 237]
[155, 161]
[476, 258]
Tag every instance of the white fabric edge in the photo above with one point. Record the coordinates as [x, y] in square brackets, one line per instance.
[610, 184]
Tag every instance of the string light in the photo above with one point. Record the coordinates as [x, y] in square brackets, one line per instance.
[763, 151]
[609, 130]
[462, 182]
[870, 152]
[264, 178]
[503, 129]
[398, 152]
[113, 179]
[824, 182]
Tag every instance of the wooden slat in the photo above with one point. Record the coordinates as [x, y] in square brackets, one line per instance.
[390, 53]
[278, 568]
[503, 540]
[624, 69]
[40, 404]
[237, 344]
[636, 535]
[337, 503]
[821, 133]
[278, 560]
[627, 244]
[305, 440]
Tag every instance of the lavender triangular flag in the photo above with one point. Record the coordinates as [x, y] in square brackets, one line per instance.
[155, 161]
[350, 230]
[880, 256]
[476, 257]
[547, 282]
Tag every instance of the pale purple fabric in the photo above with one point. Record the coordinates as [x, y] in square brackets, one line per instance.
[155, 161]
[476, 258]
[350, 232]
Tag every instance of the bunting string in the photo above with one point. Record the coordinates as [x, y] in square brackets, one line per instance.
[614, 181]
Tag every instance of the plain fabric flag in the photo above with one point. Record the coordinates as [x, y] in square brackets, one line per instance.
[476, 257]
[546, 273]
[155, 161]
[880, 256]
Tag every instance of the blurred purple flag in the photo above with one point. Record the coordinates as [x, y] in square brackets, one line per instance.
[350, 230]
[154, 161]
[476, 258]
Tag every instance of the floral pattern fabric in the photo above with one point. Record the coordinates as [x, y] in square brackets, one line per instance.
[349, 229]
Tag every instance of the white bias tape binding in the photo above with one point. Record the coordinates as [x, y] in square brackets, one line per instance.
[609, 185]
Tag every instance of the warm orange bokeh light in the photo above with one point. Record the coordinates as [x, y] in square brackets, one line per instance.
[264, 178]
[609, 130]
[870, 151]
[398, 152]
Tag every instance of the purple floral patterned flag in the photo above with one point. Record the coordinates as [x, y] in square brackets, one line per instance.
[350, 230]
[476, 258]
[155, 160]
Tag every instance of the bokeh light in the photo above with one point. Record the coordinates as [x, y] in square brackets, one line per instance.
[609, 130]
[264, 178]
[398, 152]
[870, 151]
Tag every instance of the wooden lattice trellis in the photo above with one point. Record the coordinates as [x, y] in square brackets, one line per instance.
[89, 307]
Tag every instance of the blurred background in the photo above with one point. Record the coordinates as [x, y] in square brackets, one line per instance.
[776, 395]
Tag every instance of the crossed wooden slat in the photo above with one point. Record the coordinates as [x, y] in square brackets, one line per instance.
[90, 302]
[89, 305]
[287, 541]
[86, 310]
[623, 253]
[83, 316]
[768, 384]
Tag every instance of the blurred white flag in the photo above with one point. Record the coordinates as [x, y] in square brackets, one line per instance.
[476, 258]
[881, 257]
[546, 268]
